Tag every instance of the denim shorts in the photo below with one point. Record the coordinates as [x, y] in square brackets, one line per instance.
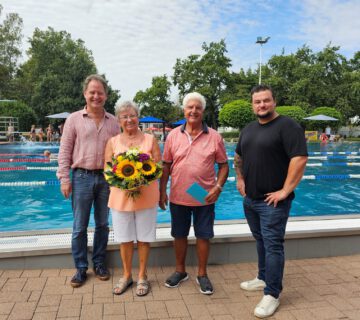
[203, 220]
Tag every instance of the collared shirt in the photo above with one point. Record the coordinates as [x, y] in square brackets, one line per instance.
[192, 160]
[83, 143]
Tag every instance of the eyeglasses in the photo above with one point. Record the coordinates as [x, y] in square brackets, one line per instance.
[131, 117]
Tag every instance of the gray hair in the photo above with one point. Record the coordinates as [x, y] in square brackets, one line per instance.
[194, 96]
[120, 107]
[96, 77]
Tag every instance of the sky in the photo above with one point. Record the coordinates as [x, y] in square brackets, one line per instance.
[134, 40]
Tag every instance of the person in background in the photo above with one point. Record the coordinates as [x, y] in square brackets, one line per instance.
[41, 134]
[32, 133]
[190, 153]
[328, 131]
[134, 220]
[49, 133]
[82, 150]
[10, 132]
[270, 160]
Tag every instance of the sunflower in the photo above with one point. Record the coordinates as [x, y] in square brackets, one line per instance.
[127, 170]
[148, 168]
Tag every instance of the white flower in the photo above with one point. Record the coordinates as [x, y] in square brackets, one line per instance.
[133, 152]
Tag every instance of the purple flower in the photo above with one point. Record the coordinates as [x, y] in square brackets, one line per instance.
[143, 157]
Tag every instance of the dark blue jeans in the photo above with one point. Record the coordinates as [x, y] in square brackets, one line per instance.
[268, 225]
[88, 189]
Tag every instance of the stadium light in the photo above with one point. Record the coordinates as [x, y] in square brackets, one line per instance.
[261, 41]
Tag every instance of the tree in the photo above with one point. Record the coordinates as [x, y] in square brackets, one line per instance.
[10, 42]
[239, 86]
[207, 74]
[311, 80]
[51, 80]
[236, 114]
[294, 112]
[155, 101]
[20, 110]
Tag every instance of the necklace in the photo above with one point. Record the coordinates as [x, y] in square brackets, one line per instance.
[132, 140]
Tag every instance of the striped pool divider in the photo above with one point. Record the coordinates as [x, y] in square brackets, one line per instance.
[323, 177]
[333, 164]
[322, 157]
[22, 154]
[333, 157]
[317, 153]
[25, 160]
[325, 153]
[57, 182]
[22, 168]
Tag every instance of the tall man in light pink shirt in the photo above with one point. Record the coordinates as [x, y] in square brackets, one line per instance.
[82, 149]
[190, 154]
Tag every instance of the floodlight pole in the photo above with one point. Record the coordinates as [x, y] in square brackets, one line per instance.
[261, 41]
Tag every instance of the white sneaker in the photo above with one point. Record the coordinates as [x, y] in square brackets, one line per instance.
[253, 285]
[267, 306]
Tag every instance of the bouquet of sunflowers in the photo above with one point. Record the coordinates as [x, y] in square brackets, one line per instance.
[131, 170]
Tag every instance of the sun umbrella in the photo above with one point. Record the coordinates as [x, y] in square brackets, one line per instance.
[62, 115]
[321, 117]
[179, 122]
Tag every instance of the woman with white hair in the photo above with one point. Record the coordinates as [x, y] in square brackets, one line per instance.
[134, 220]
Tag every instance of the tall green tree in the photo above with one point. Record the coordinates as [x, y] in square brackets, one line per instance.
[155, 101]
[51, 80]
[236, 114]
[311, 80]
[239, 86]
[10, 52]
[207, 74]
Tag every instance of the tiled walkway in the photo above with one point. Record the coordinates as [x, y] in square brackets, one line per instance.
[313, 289]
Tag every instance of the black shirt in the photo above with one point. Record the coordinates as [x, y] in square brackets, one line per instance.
[266, 150]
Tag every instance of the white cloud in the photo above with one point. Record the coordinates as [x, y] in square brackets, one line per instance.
[331, 21]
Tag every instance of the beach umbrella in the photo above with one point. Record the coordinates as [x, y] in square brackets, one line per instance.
[151, 120]
[321, 117]
[179, 122]
[62, 115]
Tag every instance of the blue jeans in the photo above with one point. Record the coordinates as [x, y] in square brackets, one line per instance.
[88, 189]
[268, 224]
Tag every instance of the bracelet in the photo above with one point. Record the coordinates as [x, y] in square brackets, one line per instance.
[219, 186]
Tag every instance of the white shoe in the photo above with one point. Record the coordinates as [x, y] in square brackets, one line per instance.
[253, 285]
[267, 306]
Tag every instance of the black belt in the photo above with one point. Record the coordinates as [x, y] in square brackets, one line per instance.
[87, 171]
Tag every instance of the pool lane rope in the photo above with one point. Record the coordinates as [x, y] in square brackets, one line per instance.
[322, 177]
[323, 157]
[23, 168]
[57, 182]
[27, 160]
[325, 153]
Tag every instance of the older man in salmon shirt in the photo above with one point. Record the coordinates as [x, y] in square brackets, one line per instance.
[82, 150]
[190, 154]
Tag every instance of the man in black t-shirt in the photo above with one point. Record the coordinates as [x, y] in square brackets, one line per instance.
[270, 160]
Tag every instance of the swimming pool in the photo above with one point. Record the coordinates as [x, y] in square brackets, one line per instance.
[37, 207]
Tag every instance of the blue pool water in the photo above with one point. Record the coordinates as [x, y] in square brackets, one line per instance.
[43, 207]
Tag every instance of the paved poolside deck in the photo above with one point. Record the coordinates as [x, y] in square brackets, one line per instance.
[326, 288]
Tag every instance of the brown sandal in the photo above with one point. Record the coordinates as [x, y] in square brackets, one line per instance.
[142, 287]
[122, 285]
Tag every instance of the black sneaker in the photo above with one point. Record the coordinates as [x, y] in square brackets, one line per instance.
[101, 272]
[174, 280]
[205, 284]
[79, 278]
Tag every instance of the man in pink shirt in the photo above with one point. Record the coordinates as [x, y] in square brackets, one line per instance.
[190, 154]
[82, 149]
